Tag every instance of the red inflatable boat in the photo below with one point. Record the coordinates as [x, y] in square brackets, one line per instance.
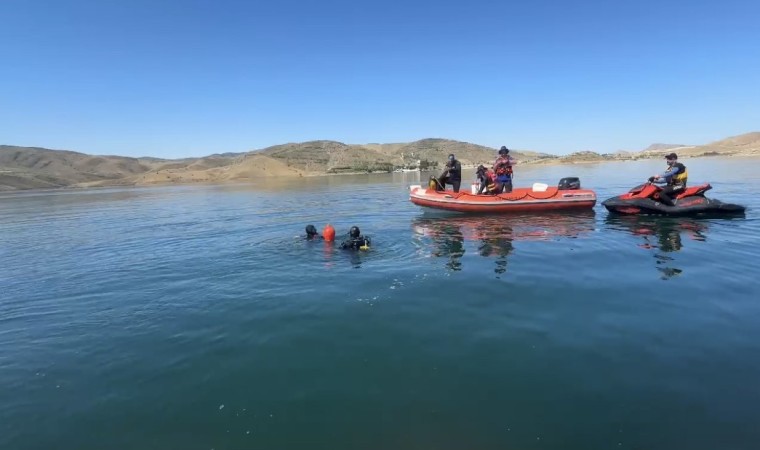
[539, 197]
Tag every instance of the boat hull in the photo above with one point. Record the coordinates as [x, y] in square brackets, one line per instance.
[519, 200]
[689, 206]
[644, 199]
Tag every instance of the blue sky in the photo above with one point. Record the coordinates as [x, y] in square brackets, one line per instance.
[195, 77]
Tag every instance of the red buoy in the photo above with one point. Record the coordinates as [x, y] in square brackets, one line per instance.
[328, 233]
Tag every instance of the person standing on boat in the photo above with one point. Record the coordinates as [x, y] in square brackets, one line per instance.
[503, 169]
[452, 173]
[675, 177]
[487, 180]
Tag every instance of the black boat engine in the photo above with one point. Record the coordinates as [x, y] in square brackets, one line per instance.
[569, 183]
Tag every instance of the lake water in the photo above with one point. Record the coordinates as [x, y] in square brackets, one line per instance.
[194, 318]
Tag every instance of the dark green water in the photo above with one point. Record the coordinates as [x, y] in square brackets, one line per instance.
[192, 318]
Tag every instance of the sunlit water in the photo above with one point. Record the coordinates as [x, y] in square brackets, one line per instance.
[194, 317]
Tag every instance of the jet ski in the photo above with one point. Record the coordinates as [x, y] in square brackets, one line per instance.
[645, 199]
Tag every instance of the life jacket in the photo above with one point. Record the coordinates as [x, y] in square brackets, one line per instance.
[503, 166]
[490, 180]
[434, 184]
[681, 177]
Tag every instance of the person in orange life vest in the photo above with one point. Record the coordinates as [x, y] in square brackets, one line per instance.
[503, 169]
[487, 179]
[675, 177]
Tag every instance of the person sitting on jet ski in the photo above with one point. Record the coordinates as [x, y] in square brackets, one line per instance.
[675, 178]
[355, 240]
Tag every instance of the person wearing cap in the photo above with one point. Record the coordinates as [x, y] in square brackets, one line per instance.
[452, 173]
[503, 169]
[355, 240]
[674, 177]
[487, 180]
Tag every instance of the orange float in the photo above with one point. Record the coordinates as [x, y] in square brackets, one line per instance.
[328, 233]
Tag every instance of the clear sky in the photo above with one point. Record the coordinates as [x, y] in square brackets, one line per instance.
[176, 78]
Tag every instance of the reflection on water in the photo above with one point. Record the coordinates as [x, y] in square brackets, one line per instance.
[662, 235]
[496, 242]
[447, 241]
[494, 236]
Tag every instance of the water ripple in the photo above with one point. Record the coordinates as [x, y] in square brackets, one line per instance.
[125, 309]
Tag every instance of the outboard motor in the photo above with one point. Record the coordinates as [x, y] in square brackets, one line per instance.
[569, 183]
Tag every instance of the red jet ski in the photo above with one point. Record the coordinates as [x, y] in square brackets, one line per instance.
[645, 199]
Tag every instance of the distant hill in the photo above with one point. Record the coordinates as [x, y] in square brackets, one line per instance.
[337, 157]
[40, 168]
[663, 147]
[31, 167]
[742, 145]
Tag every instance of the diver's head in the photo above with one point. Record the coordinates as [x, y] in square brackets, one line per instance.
[452, 158]
[311, 231]
[671, 158]
[503, 150]
[481, 169]
[354, 232]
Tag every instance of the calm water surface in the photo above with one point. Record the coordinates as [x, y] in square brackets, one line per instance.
[194, 318]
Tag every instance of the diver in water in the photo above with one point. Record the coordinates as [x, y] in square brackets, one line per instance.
[311, 233]
[355, 240]
[328, 233]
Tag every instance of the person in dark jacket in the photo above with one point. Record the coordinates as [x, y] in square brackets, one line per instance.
[675, 178]
[452, 173]
[355, 240]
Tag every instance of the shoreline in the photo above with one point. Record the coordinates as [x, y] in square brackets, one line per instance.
[539, 162]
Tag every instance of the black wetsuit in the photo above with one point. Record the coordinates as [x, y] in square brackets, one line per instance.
[452, 174]
[355, 243]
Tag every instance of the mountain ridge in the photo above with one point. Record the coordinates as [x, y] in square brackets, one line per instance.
[41, 168]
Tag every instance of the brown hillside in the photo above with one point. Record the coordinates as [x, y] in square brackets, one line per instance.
[68, 163]
[329, 157]
[437, 150]
[742, 145]
[747, 140]
[38, 168]
[247, 167]
[31, 167]
[252, 166]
